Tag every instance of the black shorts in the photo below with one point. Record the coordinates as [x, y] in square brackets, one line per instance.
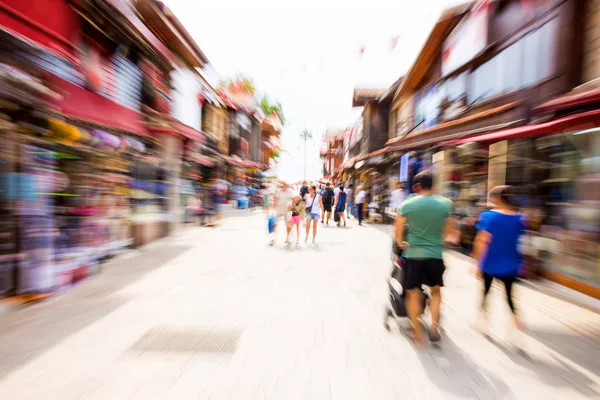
[423, 271]
[327, 207]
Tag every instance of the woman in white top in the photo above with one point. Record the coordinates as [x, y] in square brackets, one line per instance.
[314, 205]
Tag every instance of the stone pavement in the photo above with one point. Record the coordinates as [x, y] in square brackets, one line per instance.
[217, 314]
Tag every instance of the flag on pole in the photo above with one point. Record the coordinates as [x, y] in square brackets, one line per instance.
[394, 42]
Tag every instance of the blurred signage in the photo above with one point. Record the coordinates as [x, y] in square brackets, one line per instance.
[468, 39]
[404, 168]
[244, 147]
[243, 121]
[91, 63]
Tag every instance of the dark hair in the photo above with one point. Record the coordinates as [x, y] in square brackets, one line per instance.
[341, 188]
[328, 184]
[507, 195]
[313, 187]
[425, 179]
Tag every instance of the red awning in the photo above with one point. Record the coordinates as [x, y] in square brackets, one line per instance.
[31, 19]
[80, 103]
[570, 100]
[572, 123]
[190, 132]
[203, 160]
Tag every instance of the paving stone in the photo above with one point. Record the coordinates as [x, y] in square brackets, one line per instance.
[308, 324]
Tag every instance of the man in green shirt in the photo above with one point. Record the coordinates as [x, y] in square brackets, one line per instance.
[428, 220]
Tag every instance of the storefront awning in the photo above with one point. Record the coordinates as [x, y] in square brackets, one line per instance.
[30, 20]
[373, 154]
[572, 123]
[349, 163]
[203, 160]
[84, 105]
[191, 133]
[575, 98]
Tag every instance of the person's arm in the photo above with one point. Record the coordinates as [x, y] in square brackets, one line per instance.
[320, 201]
[450, 227]
[399, 224]
[336, 199]
[482, 238]
[480, 244]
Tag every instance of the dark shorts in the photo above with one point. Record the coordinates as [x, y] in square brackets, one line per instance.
[327, 207]
[423, 271]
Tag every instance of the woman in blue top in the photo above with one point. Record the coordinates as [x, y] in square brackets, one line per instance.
[496, 245]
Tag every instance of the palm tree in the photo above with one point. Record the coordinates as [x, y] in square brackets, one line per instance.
[305, 135]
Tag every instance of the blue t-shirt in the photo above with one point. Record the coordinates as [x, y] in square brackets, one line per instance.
[502, 258]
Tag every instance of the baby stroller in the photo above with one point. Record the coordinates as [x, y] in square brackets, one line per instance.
[397, 306]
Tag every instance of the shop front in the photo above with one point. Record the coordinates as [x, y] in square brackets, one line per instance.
[556, 168]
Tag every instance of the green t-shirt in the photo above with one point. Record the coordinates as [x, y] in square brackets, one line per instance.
[426, 217]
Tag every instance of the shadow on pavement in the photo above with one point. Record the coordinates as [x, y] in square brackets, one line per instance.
[459, 371]
[551, 375]
[27, 332]
[573, 347]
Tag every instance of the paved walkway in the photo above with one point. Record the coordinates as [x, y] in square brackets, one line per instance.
[217, 314]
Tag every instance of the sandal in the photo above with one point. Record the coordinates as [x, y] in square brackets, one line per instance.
[434, 333]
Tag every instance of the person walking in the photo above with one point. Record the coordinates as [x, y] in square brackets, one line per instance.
[283, 205]
[314, 205]
[428, 218]
[297, 204]
[266, 199]
[496, 248]
[350, 199]
[327, 196]
[360, 200]
[340, 205]
[303, 189]
[398, 196]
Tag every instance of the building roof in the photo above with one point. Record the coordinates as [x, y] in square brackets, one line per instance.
[162, 22]
[362, 96]
[391, 91]
[442, 28]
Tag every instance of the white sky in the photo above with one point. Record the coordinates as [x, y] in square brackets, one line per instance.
[307, 56]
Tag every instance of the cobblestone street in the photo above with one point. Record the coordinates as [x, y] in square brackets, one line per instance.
[217, 314]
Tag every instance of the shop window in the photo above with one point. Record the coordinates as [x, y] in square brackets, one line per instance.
[509, 69]
[525, 63]
[484, 82]
[149, 188]
[531, 66]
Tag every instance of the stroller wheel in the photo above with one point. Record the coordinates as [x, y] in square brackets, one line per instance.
[386, 319]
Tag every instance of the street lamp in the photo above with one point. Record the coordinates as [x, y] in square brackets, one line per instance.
[305, 135]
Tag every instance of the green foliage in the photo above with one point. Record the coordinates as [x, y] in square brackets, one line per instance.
[269, 108]
[305, 135]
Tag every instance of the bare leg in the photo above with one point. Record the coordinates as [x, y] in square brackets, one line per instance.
[435, 304]
[343, 218]
[297, 232]
[413, 308]
[308, 222]
[314, 230]
[288, 230]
